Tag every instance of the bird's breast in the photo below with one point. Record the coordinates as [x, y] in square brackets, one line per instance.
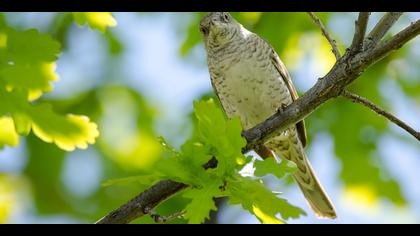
[249, 86]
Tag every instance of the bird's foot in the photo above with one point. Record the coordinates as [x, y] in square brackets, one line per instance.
[281, 108]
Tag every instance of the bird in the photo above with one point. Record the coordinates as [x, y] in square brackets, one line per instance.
[252, 83]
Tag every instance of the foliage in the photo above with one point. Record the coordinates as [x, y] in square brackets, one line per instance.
[27, 69]
[221, 138]
[130, 119]
[96, 20]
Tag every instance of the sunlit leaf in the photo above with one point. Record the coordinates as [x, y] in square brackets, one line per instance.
[66, 131]
[96, 20]
[364, 195]
[264, 217]
[8, 135]
[8, 196]
[35, 78]
[28, 61]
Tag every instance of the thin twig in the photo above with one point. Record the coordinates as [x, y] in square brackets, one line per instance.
[397, 41]
[360, 31]
[361, 100]
[383, 26]
[326, 35]
[162, 219]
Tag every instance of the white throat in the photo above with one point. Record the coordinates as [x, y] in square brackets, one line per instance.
[244, 32]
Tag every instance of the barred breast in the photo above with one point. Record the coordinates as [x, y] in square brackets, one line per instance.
[247, 82]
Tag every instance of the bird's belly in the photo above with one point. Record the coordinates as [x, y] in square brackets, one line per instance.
[252, 91]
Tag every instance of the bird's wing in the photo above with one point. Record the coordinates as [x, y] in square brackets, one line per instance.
[300, 126]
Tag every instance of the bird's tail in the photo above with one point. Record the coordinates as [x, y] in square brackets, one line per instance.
[316, 196]
[292, 150]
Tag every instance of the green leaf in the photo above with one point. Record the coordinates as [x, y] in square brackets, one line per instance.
[175, 169]
[202, 202]
[271, 166]
[224, 136]
[26, 70]
[196, 153]
[27, 61]
[30, 47]
[167, 147]
[115, 46]
[96, 20]
[35, 78]
[256, 198]
[3, 22]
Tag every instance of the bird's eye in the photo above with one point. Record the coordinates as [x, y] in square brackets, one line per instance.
[225, 17]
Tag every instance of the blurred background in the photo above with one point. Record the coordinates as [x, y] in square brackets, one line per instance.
[138, 80]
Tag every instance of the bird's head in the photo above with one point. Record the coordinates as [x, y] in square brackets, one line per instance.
[218, 28]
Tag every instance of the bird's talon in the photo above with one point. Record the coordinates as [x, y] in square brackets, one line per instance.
[281, 108]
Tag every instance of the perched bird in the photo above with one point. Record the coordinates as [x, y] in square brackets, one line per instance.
[251, 82]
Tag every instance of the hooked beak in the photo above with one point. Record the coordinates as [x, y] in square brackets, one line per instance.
[205, 29]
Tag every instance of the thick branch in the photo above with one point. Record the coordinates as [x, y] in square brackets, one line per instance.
[360, 31]
[383, 26]
[326, 35]
[361, 100]
[332, 85]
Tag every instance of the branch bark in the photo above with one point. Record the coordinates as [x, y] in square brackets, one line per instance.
[332, 85]
[332, 42]
[143, 203]
[383, 26]
[396, 42]
[360, 31]
[363, 101]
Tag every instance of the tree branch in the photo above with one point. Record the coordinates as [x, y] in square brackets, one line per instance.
[383, 26]
[360, 31]
[326, 35]
[345, 71]
[143, 203]
[396, 42]
[361, 100]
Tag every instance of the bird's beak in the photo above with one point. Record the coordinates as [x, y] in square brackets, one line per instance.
[204, 29]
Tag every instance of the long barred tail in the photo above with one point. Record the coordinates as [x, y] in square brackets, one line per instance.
[289, 147]
[316, 196]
